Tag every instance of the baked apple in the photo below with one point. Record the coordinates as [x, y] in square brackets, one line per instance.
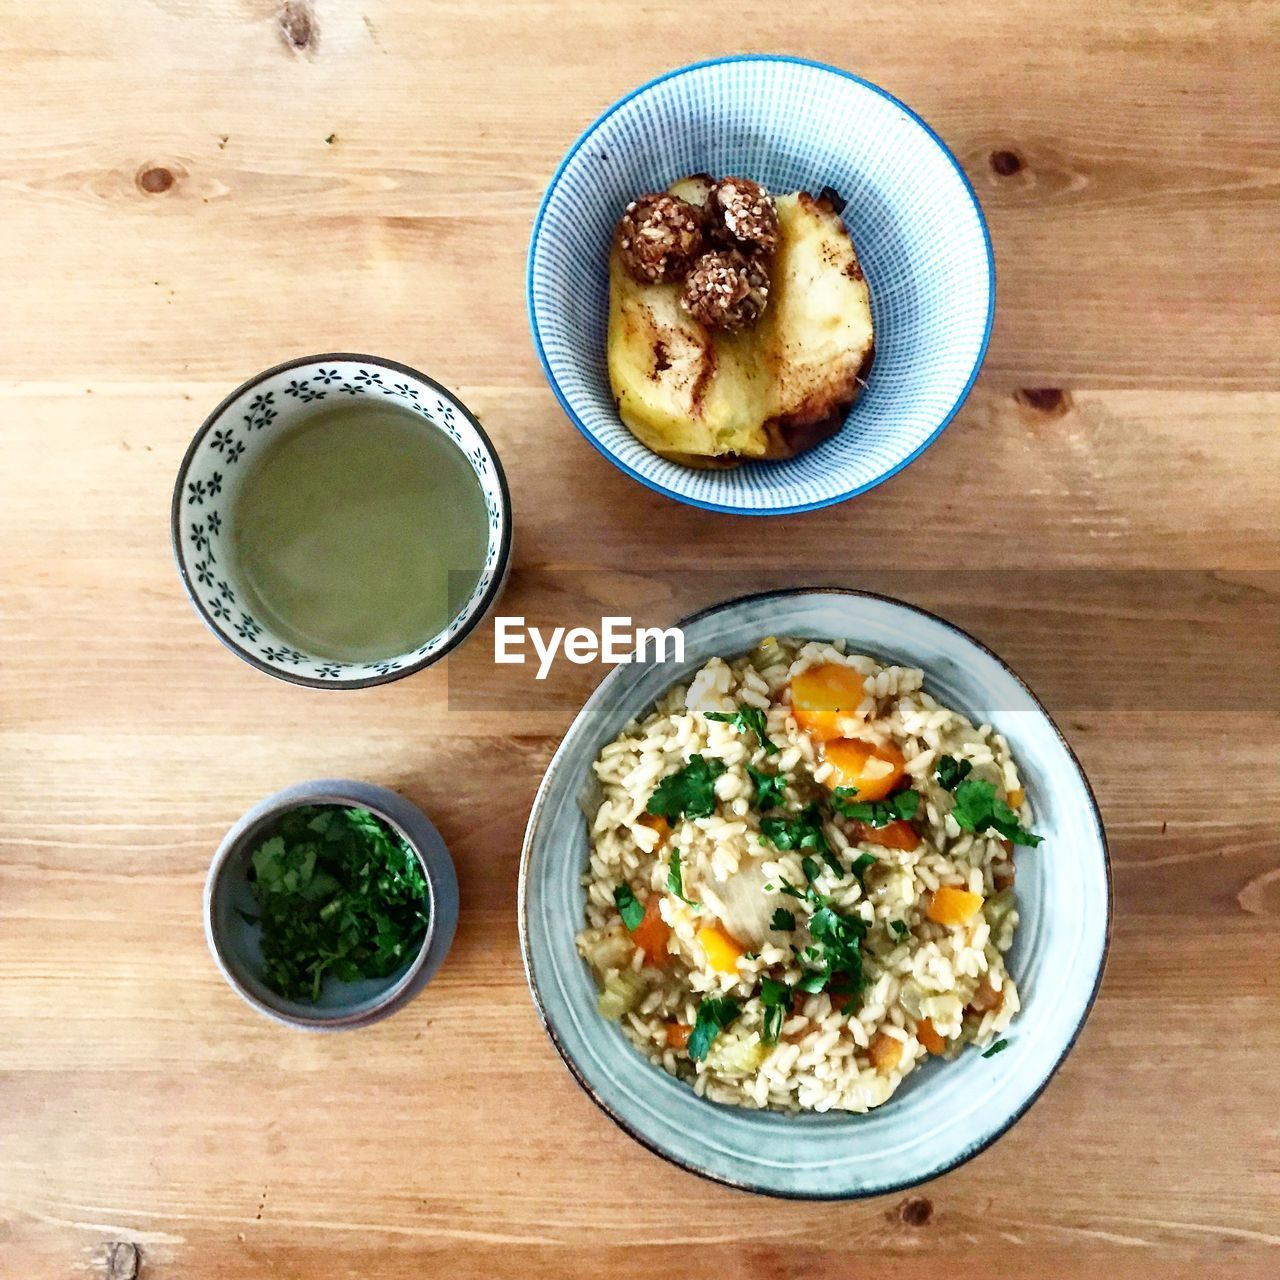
[716, 397]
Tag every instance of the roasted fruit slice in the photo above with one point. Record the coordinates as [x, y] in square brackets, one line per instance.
[713, 398]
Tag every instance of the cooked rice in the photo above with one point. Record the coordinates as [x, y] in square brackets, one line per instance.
[821, 1060]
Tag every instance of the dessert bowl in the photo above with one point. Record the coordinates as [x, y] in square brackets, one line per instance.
[242, 429]
[946, 1111]
[791, 125]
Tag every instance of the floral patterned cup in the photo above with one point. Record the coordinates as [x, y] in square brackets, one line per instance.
[223, 452]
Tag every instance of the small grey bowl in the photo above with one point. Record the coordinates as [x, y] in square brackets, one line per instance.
[235, 942]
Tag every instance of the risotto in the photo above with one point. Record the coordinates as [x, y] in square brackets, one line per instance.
[801, 880]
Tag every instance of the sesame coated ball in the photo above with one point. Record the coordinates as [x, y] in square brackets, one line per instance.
[741, 213]
[659, 236]
[726, 289]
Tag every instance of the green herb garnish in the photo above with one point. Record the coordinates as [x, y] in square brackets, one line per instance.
[748, 720]
[807, 894]
[714, 1014]
[979, 809]
[899, 928]
[776, 998]
[839, 938]
[689, 792]
[783, 919]
[339, 893]
[824, 920]
[801, 831]
[675, 879]
[901, 806]
[950, 772]
[628, 908]
[769, 789]
[863, 863]
[998, 1047]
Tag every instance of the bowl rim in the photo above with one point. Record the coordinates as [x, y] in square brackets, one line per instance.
[338, 793]
[728, 507]
[478, 614]
[887, 1188]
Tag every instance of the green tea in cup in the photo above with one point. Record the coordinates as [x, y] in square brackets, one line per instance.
[359, 532]
[340, 521]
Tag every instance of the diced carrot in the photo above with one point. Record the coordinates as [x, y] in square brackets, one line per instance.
[656, 822]
[885, 1051]
[723, 950]
[1016, 797]
[986, 999]
[678, 1035]
[823, 696]
[951, 906]
[897, 834]
[652, 932]
[873, 771]
[928, 1037]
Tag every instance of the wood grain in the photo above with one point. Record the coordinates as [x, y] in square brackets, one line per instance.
[1105, 513]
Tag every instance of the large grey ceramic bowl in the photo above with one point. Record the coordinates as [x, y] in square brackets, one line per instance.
[235, 942]
[945, 1112]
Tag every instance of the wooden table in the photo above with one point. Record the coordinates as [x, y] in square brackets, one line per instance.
[192, 191]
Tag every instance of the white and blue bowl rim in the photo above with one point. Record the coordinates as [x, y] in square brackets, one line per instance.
[657, 486]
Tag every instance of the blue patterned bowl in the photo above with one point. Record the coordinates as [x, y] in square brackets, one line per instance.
[945, 1112]
[790, 124]
[222, 453]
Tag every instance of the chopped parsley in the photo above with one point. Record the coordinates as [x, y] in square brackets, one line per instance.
[950, 772]
[769, 788]
[999, 1047]
[714, 1014]
[628, 908]
[783, 919]
[898, 928]
[801, 831]
[747, 720]
[675, 879]
[901, 806]
[863, 863]
[979, 809]
[776, 998]
[807, 894]
[689, 792]
[339, 892]
[839, 941]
